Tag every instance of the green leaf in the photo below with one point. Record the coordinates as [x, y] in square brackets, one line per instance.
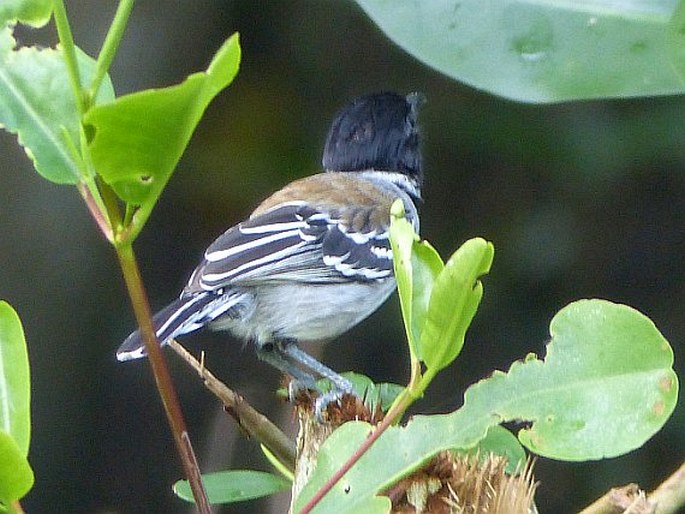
[16, 475]
[500, 441]
[15, 384]
[387, 393]
[37, 104]
[676, 40]
[426, 267]
[535, 51]
[374, 395]
[605, 387]
[235, 486]
[416, 266]
[31, 12]
[139, 138]
[455, 297]
[402, 238]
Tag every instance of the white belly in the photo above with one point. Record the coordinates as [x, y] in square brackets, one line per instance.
[314, 312]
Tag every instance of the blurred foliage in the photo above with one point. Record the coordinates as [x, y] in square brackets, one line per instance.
[548, 51]
[583, 199]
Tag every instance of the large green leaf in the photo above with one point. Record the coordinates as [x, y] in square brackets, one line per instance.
[139, 138]
[31, 12]
[37, 104]
[500, 441]
[235, 486]
[16, 475]
[15, 384]
[676, 39]
[539, 51]
[604, 388]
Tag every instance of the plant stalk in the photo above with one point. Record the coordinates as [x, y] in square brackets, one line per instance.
[66, 39]
[253, 423]
[127, 260]
[670, 495]
[141, 308]
[110, 46]
[95, 210]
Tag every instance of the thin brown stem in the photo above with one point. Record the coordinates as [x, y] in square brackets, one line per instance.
[172, 407]
[669, 497]
[95, 211]
[619, 500]
[254, 423]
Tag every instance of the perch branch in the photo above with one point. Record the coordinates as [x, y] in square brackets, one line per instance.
[669, 497]
[620, 500]
[254, 423]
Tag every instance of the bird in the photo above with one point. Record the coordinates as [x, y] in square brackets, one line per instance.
[314, 259]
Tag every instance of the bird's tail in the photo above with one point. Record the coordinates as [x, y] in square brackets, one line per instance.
[182, 316]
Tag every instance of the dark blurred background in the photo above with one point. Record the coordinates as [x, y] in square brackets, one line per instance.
[580, 200]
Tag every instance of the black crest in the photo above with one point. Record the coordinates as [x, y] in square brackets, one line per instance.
[378, 132]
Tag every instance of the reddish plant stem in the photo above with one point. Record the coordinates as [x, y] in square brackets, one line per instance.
[103, 224]
[141, 308]
[393, 414]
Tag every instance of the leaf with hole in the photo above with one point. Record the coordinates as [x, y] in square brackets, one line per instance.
[38, 105]
[138, 139]
[604, 388]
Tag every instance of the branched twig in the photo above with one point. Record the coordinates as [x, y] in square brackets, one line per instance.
[255, 424]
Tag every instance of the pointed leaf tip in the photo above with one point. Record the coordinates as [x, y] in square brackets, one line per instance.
[139, 138]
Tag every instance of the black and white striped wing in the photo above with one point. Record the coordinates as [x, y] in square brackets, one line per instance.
[295, 242]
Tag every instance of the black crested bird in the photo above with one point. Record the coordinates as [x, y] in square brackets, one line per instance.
[314, 259]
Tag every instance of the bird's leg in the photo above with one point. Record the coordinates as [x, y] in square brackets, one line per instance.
[291, 350]
[341, 384]
[284, 354]
[273, 354]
